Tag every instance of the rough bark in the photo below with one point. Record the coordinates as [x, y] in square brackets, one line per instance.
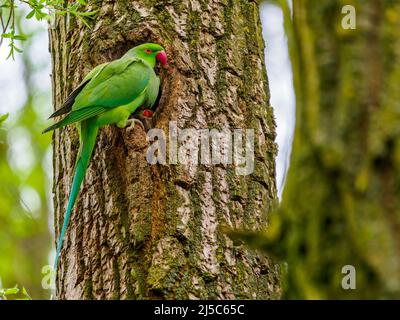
[340, 205]
[142, 231]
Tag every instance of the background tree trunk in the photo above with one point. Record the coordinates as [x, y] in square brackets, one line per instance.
[142, 231]
[340, 205]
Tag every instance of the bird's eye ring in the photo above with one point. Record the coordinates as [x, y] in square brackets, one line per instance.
[148, 51]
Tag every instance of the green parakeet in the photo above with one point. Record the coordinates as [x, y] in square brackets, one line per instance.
[109, 94]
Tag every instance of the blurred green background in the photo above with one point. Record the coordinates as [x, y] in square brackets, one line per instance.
[25, 161]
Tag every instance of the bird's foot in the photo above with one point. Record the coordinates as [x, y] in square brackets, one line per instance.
[130, 124]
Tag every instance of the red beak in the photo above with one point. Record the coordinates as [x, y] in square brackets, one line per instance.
[162, 57]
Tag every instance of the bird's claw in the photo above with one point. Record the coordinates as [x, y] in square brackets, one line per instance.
[132, 122]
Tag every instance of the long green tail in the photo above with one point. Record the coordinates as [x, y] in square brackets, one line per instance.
[88, 134]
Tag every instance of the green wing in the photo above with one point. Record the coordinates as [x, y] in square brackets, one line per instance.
[95, 71]
[67, 105]
[76, 116]
[152, 90]
[117, 83]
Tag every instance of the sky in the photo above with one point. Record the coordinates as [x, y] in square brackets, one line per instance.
[280, 80]
[13, 96]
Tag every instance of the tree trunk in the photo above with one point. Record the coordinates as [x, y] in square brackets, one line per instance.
[141, 231]
[340, 205]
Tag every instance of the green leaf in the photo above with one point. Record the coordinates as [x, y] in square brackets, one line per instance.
[30, 14]
[84, 22]
[18, 49]
[20, 37]
[11, 54]
[26, 295]
[47, 17]
[88, 14]
[14, 290]
[39, 14]
[73, 7]
[3, 118]
[7, 35]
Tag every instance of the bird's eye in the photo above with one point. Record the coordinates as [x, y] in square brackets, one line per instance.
[148, 51]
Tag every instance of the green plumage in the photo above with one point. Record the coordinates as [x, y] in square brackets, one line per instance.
[107, 95]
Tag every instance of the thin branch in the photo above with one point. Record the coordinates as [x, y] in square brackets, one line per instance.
[2, 22]
[10, 15]
[13, 14]
[8, 21]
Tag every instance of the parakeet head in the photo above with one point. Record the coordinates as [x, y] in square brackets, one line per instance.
[149, 52]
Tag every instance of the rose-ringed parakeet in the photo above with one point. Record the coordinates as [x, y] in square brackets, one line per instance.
[109, 94]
